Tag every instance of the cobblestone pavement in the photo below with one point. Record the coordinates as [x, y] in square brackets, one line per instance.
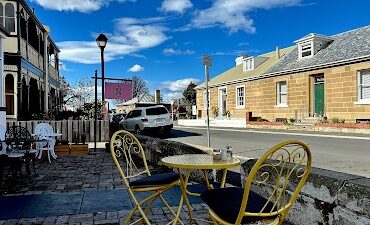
[65, 174]
[158, 216]
[77, 189]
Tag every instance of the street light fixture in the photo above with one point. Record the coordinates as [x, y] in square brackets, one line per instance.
[207, 62]
[101, 41]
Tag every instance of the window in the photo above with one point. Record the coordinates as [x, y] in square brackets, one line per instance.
[240, 99]
[282, 97]
[249, 64]
[305, 50]
[52, 60]
[1, 15]
[9, 94]
[209, 100]
[364, 86]
[9, 17]
[136, 113]
[156, 111]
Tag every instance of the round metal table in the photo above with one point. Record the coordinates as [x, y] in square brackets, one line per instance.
[190, 162]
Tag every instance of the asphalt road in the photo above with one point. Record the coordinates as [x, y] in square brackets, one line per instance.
[349, 154]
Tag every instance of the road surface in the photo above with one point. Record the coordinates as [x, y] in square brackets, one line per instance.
[349, 154]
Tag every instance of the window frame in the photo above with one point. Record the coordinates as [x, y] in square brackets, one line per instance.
[4, 17]
[237, 105]
[301, 51]
[279, 94]
[361, 100]
[13, 106]
[251, 64]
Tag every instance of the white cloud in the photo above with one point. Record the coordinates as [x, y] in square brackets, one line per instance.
[178, 85]
[177, 6]
[136, 68]
[130, 36]
[63, 67]
[172, 51]
[233, 15]
[174, 89]
[75, 5]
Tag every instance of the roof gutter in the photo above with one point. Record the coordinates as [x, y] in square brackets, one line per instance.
[298, 70]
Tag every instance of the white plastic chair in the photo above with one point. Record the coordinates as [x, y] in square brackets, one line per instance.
[44, 131]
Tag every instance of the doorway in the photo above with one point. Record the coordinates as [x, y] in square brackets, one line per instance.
[222, 101]
[319, 96]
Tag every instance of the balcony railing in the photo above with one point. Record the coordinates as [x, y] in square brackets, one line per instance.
[53, 72]
[32, 55]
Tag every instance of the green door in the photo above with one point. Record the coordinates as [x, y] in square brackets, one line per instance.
[319, 99]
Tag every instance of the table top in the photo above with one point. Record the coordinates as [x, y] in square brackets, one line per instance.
[198, 161]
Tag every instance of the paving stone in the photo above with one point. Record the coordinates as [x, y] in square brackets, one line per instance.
[157, 211]
[81, 218]
[10, 222]
[100, 216]
[112, 215]
[62, 220]
[106, 222]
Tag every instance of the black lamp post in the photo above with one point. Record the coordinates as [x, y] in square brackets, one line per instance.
[102, 40]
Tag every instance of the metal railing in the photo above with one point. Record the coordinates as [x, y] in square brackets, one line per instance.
[32, 55]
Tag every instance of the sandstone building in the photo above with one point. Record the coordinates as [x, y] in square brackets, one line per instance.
[320, 76]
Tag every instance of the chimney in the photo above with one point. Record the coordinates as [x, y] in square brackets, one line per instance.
[33, 10]
[157, 97]
[277, 52]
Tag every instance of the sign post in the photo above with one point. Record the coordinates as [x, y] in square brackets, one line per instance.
[207, 62]
[115, 91]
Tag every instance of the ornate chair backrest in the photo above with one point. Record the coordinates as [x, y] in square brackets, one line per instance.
[2, 137]
[127, 153]
[18, 133]
[42, 129]
[280, 174]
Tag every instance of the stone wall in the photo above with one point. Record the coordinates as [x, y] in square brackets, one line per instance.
[260, 95]
[328, 198]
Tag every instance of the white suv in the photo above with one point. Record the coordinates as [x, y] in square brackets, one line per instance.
[143, 119]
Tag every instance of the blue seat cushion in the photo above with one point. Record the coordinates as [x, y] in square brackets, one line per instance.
[155, 180]
[226, 202]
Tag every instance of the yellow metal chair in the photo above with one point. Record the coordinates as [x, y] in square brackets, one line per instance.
[127, 153]
[271, 175]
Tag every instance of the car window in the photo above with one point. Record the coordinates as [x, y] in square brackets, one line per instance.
[135, 113]
[129, 115]
[156, 111]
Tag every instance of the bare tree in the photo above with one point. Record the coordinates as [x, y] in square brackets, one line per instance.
[139, 86]
[79, 94]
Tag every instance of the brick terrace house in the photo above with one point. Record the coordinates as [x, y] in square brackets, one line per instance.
[320, 76]
[31, 64]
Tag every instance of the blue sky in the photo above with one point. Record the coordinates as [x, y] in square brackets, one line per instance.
[165, 39]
